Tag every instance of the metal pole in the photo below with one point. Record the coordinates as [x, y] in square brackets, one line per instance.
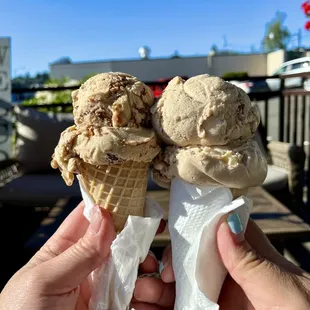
[281, 114]
[299, 36]
[5, 98]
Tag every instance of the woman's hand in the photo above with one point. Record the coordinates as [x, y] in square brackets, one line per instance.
[259, 277]
[152, 293]
[57, 275]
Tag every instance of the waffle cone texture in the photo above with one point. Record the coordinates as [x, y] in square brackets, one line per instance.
[120, 189]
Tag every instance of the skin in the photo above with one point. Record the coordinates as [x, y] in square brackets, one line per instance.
[152, 293]
[57, 276]
[259, 278]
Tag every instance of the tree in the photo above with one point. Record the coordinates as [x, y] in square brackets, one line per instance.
[277, 35]
[175, 54]
[214, 49]
[29, 81]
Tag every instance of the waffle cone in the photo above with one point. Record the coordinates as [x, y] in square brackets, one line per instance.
[120, 189]
[239, 192]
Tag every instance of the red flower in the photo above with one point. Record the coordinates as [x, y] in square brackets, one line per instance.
[306, 7]
[307, 25]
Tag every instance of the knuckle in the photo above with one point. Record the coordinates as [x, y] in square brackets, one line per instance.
[87, 249]
[50, 250]
[249, 261]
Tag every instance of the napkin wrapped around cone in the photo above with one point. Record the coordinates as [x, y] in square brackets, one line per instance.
[209, 158]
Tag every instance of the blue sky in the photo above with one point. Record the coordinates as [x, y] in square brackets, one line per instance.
[45, 30]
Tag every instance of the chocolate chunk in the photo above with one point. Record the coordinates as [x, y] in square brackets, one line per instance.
[113, 159]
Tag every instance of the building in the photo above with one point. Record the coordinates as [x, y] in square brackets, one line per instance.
[154, 69]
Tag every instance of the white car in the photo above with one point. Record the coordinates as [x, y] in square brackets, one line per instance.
[250, 87]
[298, 65]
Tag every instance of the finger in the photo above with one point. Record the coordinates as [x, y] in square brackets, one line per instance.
[165, 268]
[232, 294]
[68, 270]
[150, 264]
[161, 227]
[266, 249]
[257, 276]
[153, 290]
[81, 303]
[85, 290]
[69, 232]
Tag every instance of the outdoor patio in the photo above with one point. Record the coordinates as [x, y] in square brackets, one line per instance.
[35, 200]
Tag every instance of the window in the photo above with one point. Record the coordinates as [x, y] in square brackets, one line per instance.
[296, 66]
[288, 68]
[280, 71]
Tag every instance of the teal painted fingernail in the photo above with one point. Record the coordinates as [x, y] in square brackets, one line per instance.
[161, 267]
[234, 223]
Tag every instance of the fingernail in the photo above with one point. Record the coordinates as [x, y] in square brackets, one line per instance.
[152, 254]
[96, 220]
[163, 263]
[161, 267]
[234, 223]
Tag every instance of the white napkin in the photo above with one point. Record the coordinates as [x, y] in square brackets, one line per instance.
[114, 282]
[194, 215]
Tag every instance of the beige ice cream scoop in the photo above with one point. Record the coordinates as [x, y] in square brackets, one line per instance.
[111, 144]
[204, 110]
[112, 99]
[208, 126]
[238, 168]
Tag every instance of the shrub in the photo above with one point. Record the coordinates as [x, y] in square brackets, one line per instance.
[235, 75]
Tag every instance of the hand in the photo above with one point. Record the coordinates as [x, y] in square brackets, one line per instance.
[57, 275]
[152, 293]
[259, 277]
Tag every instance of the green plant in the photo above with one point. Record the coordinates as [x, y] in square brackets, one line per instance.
[52, 82]
[55, 97]
[235, 75]
[86, 77]
[52, 97]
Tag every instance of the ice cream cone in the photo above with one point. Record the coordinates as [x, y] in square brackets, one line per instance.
[237, 192]
[120, 189]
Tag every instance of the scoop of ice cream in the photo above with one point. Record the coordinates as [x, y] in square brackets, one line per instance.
[238, 168]
[112, 117]
[204, 110]
[113, 100]
[106, 145]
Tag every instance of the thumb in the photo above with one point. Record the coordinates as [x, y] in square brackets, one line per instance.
[257, 271]
[66, 271]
